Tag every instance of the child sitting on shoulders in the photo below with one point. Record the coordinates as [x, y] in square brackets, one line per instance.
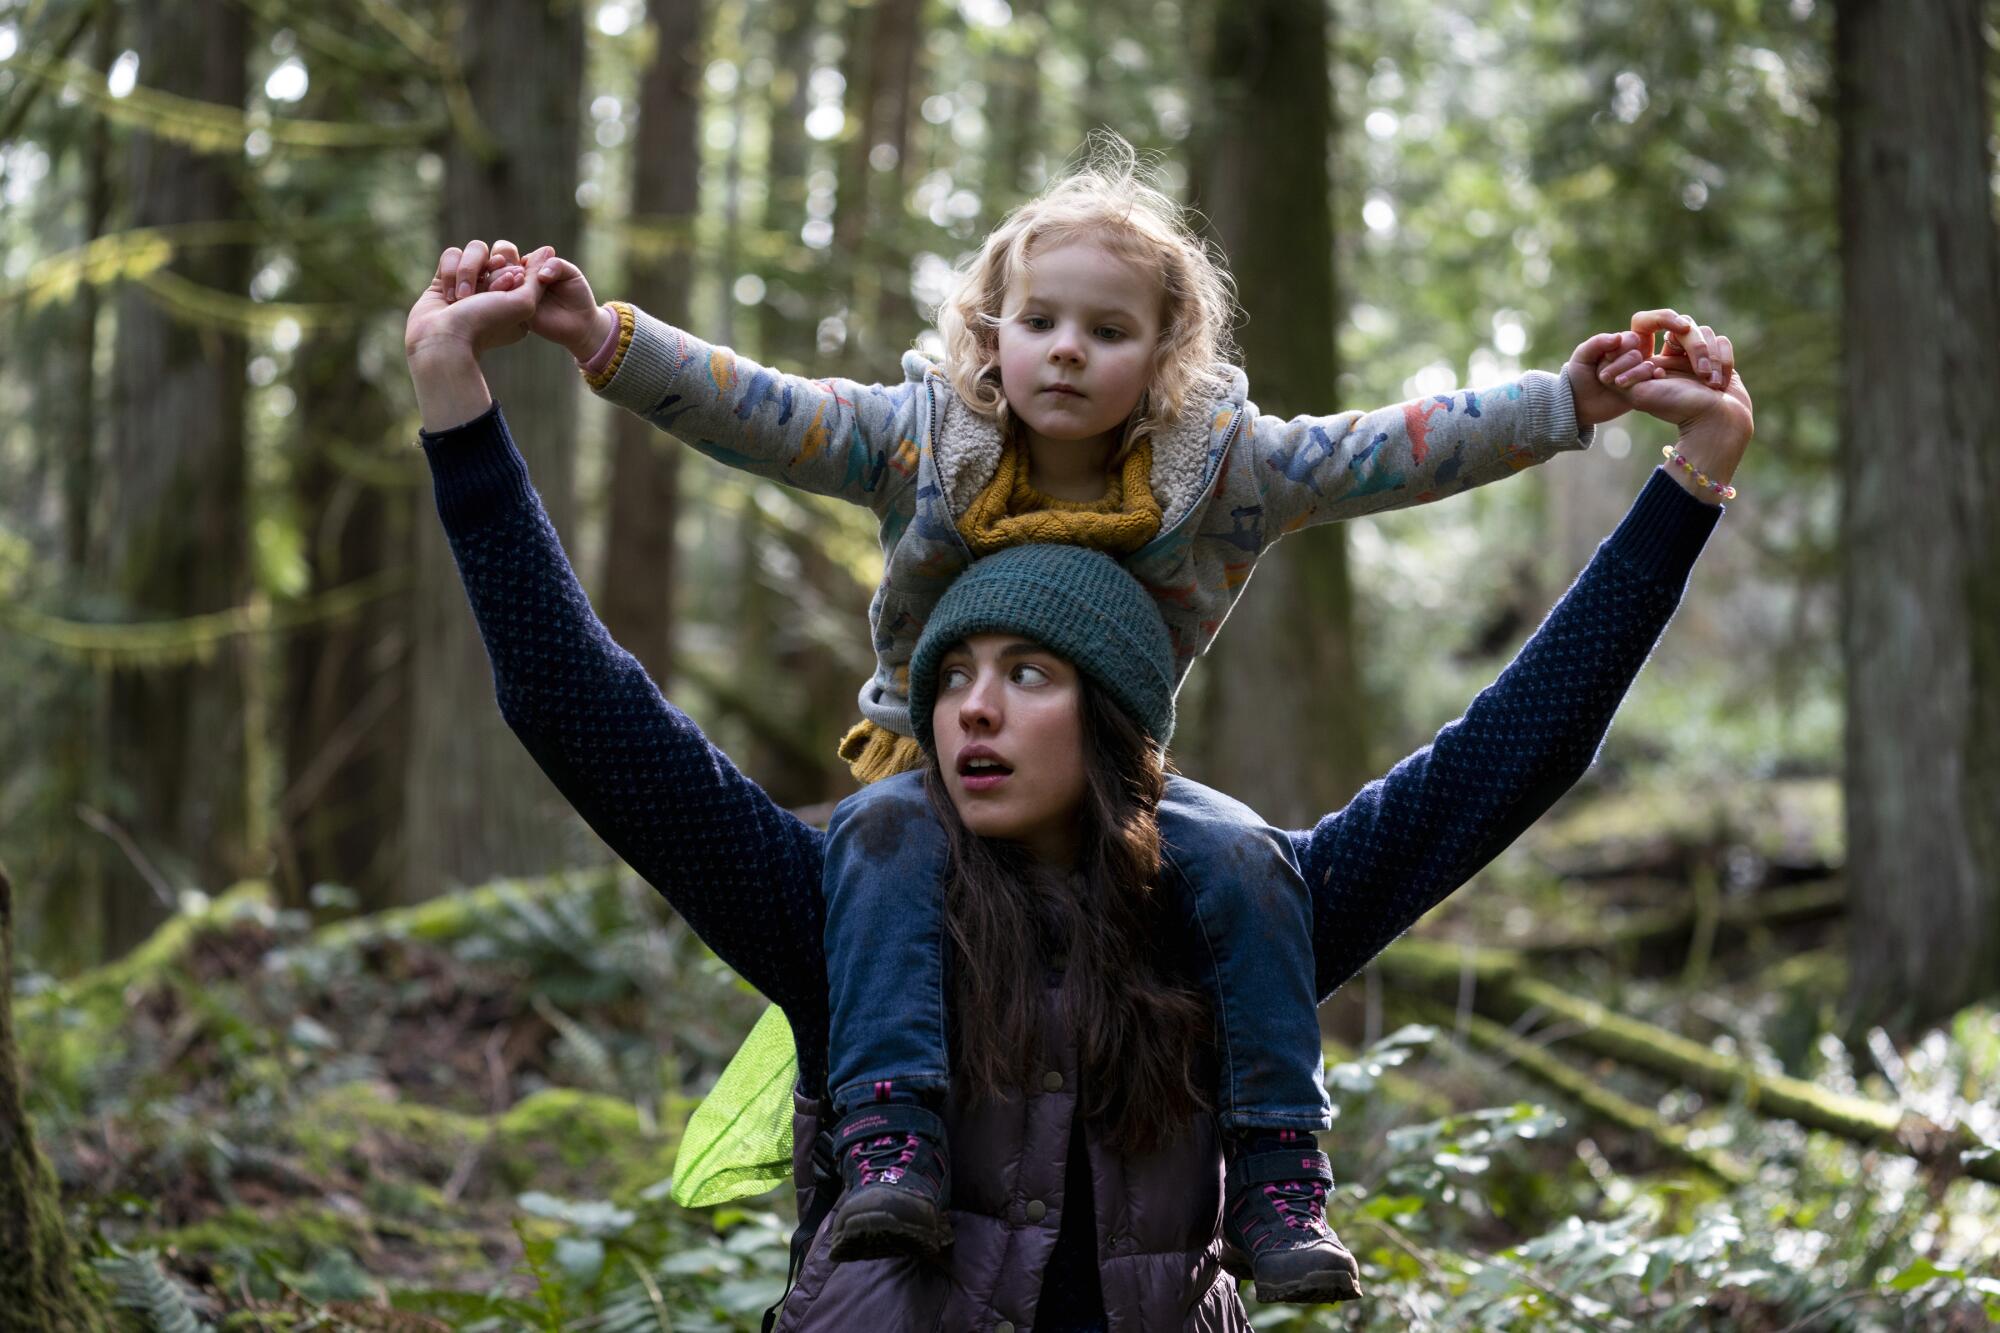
[1086, 396]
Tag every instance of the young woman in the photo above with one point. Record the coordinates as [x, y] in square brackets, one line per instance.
[1085, 395]
[1087, 1177]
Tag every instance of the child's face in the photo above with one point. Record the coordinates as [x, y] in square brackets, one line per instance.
[1077, 340]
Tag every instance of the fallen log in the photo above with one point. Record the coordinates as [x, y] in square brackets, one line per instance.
[1786, 905]
[1504, 988]
[1597, 1100]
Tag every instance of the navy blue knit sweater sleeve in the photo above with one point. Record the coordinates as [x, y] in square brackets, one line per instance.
[744, 872]
[1409, 839]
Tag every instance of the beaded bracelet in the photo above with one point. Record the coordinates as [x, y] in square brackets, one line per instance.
[1722, 490]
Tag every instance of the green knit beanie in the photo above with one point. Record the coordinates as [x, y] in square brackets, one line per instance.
[1079, 604]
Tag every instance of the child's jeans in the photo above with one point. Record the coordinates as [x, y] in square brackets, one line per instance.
[1242, 898]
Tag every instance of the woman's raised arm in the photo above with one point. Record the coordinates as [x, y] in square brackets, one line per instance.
[744, 872]
[1411, 838]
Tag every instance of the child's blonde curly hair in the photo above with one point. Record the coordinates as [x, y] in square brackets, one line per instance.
[1112, 198]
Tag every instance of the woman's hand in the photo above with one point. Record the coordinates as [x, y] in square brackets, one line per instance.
[466, 310]
[1694, 385]
[444, 338]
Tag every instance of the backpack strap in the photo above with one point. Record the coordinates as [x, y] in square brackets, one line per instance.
[825, 1193]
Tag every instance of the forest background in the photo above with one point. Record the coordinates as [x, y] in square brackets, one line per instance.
[286, 1066]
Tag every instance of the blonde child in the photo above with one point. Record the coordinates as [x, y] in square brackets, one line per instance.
[1085, 396]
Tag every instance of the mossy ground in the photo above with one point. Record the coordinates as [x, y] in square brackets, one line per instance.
[250, 1095]
[470, 1108]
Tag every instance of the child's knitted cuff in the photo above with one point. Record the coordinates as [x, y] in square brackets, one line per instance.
[1548, 415]
[651, 354]
[1664, 531]
[604, 362]
[476, 470]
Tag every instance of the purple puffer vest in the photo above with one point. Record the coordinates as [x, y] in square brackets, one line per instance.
[1157, 1226]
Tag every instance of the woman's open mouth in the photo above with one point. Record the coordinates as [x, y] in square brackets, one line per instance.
[980, 769]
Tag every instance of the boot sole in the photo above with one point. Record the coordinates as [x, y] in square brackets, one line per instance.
[1314, 1289]
[882, 1234]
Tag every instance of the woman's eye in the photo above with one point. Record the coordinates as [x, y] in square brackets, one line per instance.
[951, 678]
[1029, 674]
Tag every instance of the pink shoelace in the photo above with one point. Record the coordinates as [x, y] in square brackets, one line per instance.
[870, 1154]
[1302, 1203]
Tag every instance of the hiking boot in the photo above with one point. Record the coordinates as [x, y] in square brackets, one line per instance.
[1274, 1228]
[895, 1184]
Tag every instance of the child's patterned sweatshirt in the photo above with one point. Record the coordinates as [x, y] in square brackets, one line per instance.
[746, 873]
[1229, 480]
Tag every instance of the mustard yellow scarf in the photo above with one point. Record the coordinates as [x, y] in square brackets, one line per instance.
[1010, 512]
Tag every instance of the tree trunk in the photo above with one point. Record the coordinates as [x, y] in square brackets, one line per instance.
[38, 1289]
[1014, 122]
[1921, 509]
[80, 458]
[474, 803]
[175, 542]
[880, 70]
[346, 681]
[898, 28]
[344, 708]
[639, 564]
[71, 921]
[786, 318]
[1289, 647]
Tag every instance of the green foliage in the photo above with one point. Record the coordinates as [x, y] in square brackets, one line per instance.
[285, 1163]
[399, 1108]
[139, 1283]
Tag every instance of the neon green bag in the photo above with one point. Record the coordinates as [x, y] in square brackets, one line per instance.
[738, 1142]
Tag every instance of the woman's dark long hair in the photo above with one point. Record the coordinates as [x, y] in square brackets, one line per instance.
[1141, 1030]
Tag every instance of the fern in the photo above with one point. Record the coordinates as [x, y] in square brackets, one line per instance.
[139, 1282]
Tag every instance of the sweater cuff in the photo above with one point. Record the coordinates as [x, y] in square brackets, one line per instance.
[600, 360]
[476, 470]
[1664, 531]
[610, 354]
[655, 354]
[1548, 415]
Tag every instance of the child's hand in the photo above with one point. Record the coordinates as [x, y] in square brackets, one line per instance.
[1601, 371]
[568, 315]
[1604, 368]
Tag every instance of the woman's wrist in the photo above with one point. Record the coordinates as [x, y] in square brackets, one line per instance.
[450, 388]
[1703, 462]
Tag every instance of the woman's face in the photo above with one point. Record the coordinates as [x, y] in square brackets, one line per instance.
[1009, 727]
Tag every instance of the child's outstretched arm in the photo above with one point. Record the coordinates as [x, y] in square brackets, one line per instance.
[1325, 469]
[853, 441]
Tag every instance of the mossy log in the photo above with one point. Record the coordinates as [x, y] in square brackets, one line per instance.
[1667, 925]
[104, 987]
[39, 1289]
[1593, 1097]
[451, 917]
[1506, 988]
